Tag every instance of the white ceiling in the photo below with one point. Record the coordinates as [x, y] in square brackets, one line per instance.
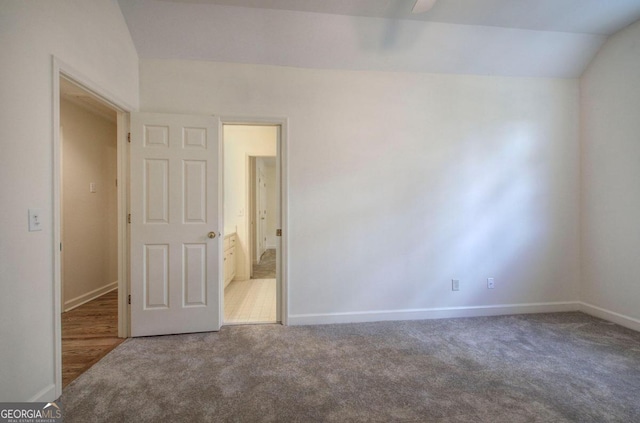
[581, 16]
[537, 38]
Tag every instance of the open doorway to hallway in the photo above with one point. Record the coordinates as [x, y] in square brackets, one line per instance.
[89, 229]
[250, 220]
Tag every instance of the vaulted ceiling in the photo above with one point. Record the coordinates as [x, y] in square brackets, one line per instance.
[537, 38]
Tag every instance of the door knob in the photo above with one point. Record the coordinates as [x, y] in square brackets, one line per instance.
[211, 235]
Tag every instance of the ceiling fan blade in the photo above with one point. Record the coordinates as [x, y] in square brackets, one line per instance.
[422, 6]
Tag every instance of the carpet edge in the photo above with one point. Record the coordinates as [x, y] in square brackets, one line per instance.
[432, 313]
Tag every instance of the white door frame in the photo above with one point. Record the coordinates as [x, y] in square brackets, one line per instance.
[252, 201]
[62, 69]
[251, 164]
[282, 199]
[261, 207]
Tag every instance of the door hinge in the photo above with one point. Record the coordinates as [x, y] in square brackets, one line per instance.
[129, 218]
[278, 232]
[129, 137]
[129, 299]
[61, 246]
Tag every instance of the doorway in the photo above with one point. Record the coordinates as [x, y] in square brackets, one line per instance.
[262, 206]
[251, 218]
[89, 229]
[89, 131]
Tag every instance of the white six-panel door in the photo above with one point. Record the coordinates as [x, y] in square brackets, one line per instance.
[175, 264]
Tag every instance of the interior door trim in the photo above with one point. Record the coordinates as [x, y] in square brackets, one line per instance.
[62, 69]
[282, 176]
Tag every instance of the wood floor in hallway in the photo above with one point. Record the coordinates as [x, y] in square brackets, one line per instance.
[89, 332]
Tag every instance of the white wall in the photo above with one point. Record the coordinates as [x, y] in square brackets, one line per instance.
[92, 37]
[240, 142]
[610, 99]
[399, 182]
[90, 224]
[270, 177]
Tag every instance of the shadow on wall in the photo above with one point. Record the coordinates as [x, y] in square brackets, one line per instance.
[404, 235]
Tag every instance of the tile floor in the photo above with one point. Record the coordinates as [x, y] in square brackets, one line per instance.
[252, 301]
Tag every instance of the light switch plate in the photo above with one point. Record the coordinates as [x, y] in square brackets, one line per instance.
[35, 220]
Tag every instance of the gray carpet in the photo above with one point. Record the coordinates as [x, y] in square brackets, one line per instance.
[533, 368]
[266, 269]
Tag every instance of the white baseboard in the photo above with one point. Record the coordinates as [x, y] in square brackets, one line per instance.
[48, 394]
[431, 313]
[612, 316]
[92, 295]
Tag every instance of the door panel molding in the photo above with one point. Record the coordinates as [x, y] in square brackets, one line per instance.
[175, 215]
